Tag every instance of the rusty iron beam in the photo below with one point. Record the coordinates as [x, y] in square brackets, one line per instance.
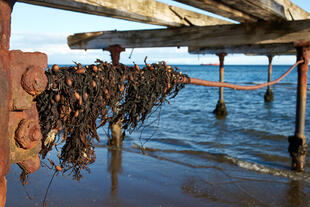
[297, 143]
[5, 92]
[5, 27]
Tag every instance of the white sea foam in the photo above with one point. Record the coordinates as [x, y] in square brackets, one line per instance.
[268, 170]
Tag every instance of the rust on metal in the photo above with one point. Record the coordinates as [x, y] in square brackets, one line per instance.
[220, 109]
[269, 94]
[115, 51]
[28, 133]
[5, 32]
[196, 81]
[30, 165]
[24, 124]
[2, 191]
[34, 81]
[27, 78]
[116, 128]
[297, 143]
[221, 75]
[5, 93]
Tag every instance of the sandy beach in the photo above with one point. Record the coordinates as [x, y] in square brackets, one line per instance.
[124, 178]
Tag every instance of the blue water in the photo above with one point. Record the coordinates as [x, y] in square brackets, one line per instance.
[189, 157]
[253, 131]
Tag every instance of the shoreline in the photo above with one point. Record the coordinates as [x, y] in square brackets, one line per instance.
[123, 178]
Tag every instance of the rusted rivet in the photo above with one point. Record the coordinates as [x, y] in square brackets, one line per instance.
[34, 81]
[28, 134]
[30, 165]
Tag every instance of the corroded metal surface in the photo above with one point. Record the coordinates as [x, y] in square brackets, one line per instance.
[117, 135]
[24, 141]
[28, 134]
[5, 27]
[22, 78]
[269, 94]
[33, 80]
[196, 81]
[115, 51]
[30, 165]
[5, 32]
[2, 190]
[27, 78]
[220, 109]
[297, 143]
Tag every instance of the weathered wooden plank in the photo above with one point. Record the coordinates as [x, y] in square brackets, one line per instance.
[221, 9]
[207, 36]
[268, 10]
[145, 11]
[259, 49]
[292, 11]
[251, 10]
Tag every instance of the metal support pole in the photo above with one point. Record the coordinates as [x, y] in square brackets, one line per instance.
[297, 143]
[5, 33]
[116, 128]
[115, 51]
[220, 109]
[269, 94]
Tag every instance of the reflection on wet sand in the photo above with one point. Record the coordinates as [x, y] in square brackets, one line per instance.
[115, 167]
[219, 190]
[296, 195]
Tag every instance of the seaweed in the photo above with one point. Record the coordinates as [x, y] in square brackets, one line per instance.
[80, 99]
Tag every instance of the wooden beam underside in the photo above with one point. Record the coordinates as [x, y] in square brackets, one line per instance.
[259, 49]
[145, 11]
[251, 10]
[221, 36]
[292, 11]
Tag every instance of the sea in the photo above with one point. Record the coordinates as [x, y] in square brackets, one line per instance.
[186, 156]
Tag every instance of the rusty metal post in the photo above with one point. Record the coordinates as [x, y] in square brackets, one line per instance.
[22, 78]
[115, 51]
[269, 94]
[297, 143]
[116, 128]
[5, 91]
[220, 109]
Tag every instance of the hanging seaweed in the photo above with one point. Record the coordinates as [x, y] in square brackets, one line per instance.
[80, 99]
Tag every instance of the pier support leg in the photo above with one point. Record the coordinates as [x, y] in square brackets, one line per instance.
[297, 143]
[116, 128]
[22, 78]
[117, 135]
[5, 91]
[220, 109]
[115, 51]
[269, 94]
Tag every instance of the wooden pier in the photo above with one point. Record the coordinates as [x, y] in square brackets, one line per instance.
[260, 27]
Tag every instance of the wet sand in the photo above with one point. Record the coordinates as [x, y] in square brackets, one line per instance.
[129, 178]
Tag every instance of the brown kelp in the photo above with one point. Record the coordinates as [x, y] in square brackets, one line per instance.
[80, 99]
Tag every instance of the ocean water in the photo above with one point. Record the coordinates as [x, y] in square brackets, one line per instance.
[253, 132]
[195, 157]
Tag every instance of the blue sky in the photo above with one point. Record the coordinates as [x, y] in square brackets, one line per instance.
[36, 28]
